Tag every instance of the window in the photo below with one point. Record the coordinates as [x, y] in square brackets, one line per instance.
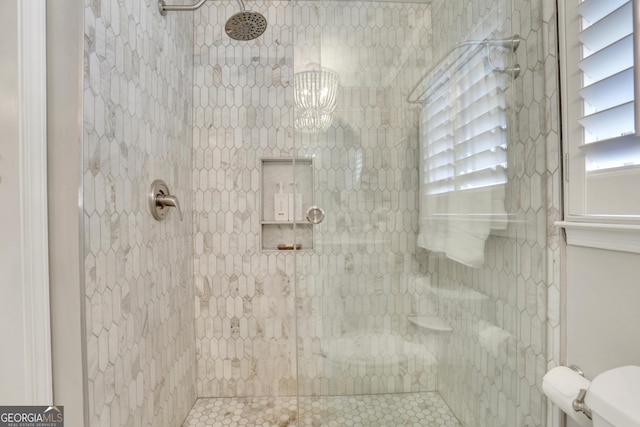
[463, 127]
[463, 151]
[601, 109]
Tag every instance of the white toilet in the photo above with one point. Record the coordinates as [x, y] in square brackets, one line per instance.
[614, 398]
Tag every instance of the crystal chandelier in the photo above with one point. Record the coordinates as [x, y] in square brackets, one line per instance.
[314, 94]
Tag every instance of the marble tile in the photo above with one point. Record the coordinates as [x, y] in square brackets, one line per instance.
[523, 264]
[401, 410]
[138, 272]
[356, 281]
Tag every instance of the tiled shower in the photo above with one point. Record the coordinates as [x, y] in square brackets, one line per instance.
[366, 181]
[181, 310]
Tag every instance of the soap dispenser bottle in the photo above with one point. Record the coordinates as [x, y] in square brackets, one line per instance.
[280, 204]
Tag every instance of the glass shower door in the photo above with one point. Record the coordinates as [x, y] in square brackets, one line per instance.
[362, 359]
[413, 298]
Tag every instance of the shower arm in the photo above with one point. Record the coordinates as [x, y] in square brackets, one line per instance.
[164, 7]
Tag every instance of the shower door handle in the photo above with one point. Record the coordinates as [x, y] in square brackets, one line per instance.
[315, 215]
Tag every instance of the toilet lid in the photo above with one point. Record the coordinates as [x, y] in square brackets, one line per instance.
[615, 396]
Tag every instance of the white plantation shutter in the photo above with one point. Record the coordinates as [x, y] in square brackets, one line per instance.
[463, 147]
[601, 131]
[463, 128]
[436, 127]
[608, 83]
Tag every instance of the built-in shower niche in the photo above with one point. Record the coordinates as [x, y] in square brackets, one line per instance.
[287, 193]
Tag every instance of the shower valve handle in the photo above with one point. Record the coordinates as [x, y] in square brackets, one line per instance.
[160, 199]
[165, 200]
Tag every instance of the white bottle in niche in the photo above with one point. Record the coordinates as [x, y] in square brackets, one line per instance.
[295, 203]
[280, 204]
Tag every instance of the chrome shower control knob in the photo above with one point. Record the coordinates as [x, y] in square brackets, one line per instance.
[315, 215]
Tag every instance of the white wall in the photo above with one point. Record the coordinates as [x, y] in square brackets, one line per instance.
[602, 309]
[13, 389]
[603, 313]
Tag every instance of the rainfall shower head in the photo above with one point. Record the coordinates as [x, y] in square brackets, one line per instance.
[244, 25]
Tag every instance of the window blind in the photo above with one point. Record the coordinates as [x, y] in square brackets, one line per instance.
[463, 147]
[463, 129]
[601, 93]
[607, 61]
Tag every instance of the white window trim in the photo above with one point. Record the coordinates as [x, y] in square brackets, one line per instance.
[573, 158]
[599, 235]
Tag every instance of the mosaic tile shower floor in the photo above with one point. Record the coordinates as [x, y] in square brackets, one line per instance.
[382, 410]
